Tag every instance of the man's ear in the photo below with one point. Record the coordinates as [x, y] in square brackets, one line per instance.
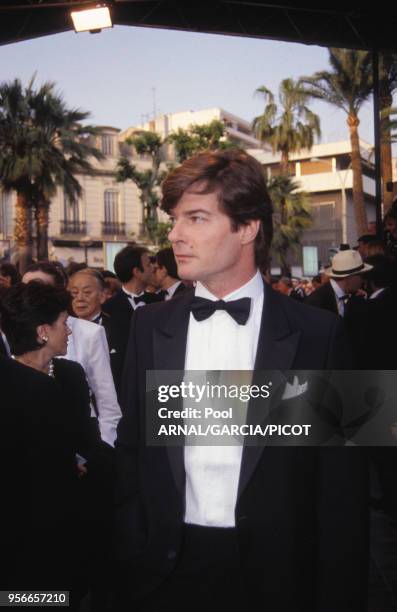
[249, 231]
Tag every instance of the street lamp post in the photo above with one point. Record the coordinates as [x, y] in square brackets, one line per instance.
[86, 242]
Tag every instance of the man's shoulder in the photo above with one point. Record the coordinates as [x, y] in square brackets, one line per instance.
[119, 299]
[303, 314]
[162, 311]
[324, 292]
[82, 329]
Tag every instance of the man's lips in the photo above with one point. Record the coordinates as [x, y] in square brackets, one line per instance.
[182, 257]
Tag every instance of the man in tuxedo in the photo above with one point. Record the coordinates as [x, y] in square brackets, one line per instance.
[346, 279]
[166, 275]
[134, 270]
[230, 526]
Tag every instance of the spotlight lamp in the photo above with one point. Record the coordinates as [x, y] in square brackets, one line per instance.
[92, 20]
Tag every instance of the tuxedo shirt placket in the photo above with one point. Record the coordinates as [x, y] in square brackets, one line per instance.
[219, 343]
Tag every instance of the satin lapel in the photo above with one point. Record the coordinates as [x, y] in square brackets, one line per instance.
[277, 346]
[169, 349]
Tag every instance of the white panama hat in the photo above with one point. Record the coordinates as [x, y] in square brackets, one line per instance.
[347, 263]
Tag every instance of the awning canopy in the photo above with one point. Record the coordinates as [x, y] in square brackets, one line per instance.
[333, 25]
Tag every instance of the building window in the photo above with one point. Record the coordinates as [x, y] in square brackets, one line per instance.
[323, 216]
[111, 206]
[108, 144]
[71, 209]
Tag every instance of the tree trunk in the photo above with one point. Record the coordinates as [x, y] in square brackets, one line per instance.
[386, 153]
[284, 163]
[360, 212]
[386, 70]
[42, 216]
[23, 232]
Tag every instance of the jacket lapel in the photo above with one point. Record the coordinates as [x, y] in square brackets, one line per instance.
[169, 349]
[277, 346]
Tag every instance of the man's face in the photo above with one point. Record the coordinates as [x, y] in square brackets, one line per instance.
[144, 276]
[87, 296]
[159, 275]
[205, 246]
[362, 248]
[391, 226]
[353, 283]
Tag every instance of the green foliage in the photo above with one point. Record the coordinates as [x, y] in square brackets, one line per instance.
[348, 85]
[147, 181]
[42, 143]
[196, 138]
[161, 235]
[289, 126]
[291, 216]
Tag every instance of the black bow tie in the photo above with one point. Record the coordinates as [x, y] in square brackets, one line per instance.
[344, 298]
[238, 309]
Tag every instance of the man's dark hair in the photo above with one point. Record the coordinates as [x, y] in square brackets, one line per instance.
[166, 259]
[51, 269]
[383, 272]
[239, 182]
[126, 260]
[366, 238]
[25, 307]
[8, 269]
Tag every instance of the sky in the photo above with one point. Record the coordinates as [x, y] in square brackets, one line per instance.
[124, 74]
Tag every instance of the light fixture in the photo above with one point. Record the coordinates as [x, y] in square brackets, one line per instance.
[92, 20]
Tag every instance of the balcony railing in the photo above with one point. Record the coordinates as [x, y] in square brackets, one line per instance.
[74, 227]
[113, 228]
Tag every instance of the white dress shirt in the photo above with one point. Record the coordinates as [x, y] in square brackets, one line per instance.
[89, 347]
[339, 293]
[219, 343]
[171, 290]
[131, 299]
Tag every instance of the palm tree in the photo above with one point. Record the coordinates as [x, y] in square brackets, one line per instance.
[289, 127]
[147, 181]
[42, 145]
[387, 86]
[347, 87]
[290, 218]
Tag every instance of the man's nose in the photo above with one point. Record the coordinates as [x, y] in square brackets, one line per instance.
[176, 234]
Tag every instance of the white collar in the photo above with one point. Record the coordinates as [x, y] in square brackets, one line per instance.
[375, 294]
[252, 289]
[337, 289]
[132, 295]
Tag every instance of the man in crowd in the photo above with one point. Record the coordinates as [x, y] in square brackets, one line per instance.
[346, 279]
[134, 270]
[230, 526]
[166, 274]
[88, 291]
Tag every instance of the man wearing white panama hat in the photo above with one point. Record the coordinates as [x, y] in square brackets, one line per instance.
[345, 275]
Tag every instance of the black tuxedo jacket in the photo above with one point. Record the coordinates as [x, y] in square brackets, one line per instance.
[372, 330]
[323, 297]
[301, 513]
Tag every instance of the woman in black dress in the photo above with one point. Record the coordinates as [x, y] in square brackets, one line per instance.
[46, 424]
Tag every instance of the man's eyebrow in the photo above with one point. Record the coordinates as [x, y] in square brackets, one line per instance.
[195, 211]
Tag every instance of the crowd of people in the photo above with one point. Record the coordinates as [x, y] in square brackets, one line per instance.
[91, 508]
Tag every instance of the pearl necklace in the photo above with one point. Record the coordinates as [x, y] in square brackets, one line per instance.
[50, 366]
